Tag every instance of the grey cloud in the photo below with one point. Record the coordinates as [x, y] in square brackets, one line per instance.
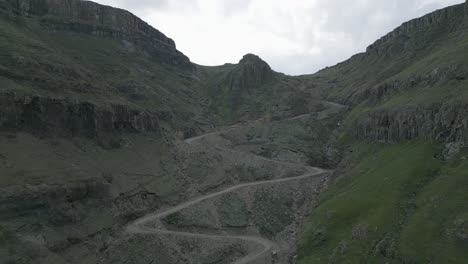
[362, 18]
[357, 23]
[305, 63]
[231, 7]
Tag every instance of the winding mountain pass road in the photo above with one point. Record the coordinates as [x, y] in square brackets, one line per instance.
[143, 225]
[334, 108]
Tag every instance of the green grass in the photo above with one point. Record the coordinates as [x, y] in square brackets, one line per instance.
[102, 71]
[437, 47]
[394, 204]
[389, 192]
[438, 231]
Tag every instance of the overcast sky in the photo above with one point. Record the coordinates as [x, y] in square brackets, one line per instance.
[294, 36]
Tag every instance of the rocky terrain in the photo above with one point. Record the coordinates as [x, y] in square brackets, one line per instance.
[115, 148]
[404, 141]
[103, 21]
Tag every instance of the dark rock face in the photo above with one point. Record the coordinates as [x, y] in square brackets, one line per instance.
[103, 21]
[61, 118]
[414, 34]
[142, 201]
[49, 199]
[466, 8]
[410, 34]
[445, 123]
[252, 71]
[411, 41]
[376, 95]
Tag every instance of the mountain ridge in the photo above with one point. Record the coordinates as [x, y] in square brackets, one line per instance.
[100, 20]
[411, 26]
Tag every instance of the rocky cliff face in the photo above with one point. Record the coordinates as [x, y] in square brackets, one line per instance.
[19, 200]
[444, 122]
[376, 95]
[414, 34]
[103, 21]
[54, 216]
[412, 61]
[408, 35]
[466, 8]
[252, 71]
[62, 118]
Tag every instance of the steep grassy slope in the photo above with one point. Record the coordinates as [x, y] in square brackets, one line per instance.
[113, 64]
[88, 113]
[72, 66]
[415, 56]
[396, 204]
[409, 84]
[403, 202]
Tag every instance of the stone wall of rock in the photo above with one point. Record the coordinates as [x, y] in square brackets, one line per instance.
[103, 21]
[63, 118]
[413, 34]
[377, 94]
[442, 122]
[252, 71]
[466, 8]
[48, 200]
[446, 19]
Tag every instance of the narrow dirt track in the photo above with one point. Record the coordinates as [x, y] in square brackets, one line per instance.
[142, 225]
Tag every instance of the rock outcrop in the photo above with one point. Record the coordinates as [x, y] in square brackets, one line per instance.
[442, 122]
[63, 118]
[407, 66]
[410, 35]
[466, 8]
[376, 95]
[16, 201]
[414, 34]
[251, 71]
[103, 21]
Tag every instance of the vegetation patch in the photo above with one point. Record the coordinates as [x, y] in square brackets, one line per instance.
[397, 204]
[232, 211]
[272, 212]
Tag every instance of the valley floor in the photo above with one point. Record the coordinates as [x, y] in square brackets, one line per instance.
[151, 224]
[259, 249]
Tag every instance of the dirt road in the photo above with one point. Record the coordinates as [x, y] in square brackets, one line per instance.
[143, 225]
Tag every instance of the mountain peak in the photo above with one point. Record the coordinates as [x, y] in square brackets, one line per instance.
[253, 59]
[252, 71]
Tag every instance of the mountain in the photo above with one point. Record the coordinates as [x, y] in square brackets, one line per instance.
[418, 69]
[104, 122]
[251, 89]
[91, 69]
[397, 194]
[94, 103]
